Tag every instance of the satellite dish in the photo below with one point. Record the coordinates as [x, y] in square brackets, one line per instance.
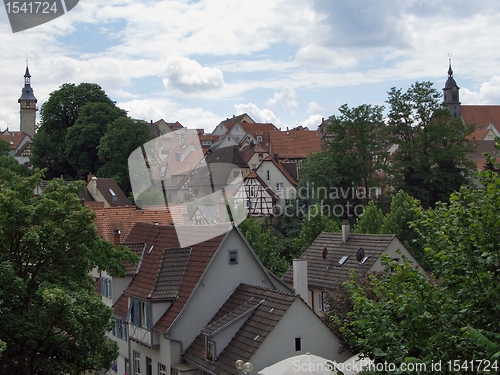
[325, 253]
[360, 254]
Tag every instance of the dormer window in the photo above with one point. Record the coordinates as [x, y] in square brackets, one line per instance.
[259, 138]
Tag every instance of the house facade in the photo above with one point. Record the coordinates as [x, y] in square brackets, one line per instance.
[278, 179]
[176, 297]
[318, 271]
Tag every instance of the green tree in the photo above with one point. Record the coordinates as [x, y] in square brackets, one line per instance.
[352, 161]
[266, 246]
[451, 315]
[51, 319]
[313, 224]
[431, 157]
[4, 147]
[82, 139]
[123, 136]
[57, 115]
[371, 221]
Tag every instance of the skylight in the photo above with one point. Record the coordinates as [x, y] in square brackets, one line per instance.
[365, 259]
[112, 192]
[343, 260]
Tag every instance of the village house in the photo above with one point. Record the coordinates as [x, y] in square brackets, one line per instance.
[195, 310]
[327, 262]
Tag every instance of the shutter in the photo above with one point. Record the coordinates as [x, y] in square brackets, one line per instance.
[118, 328]
[129, 312]
[104, 285]
[110, 289]
[124, 331]
[320, 301]
[136, 314]
[148, 316]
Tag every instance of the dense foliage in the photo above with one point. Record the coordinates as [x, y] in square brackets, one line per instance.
[51, 319]
[450, 315]
[58, 114]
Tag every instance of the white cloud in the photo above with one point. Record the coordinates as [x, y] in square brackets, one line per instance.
[322, 56]
[286, 97]
[257, 114]
[188, 76]
[489, 93]
[314, 107]
[312, 122]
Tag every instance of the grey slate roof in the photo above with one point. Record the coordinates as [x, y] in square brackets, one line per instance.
[326, 273]
[261, 307]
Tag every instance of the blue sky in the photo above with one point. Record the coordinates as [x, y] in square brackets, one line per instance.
[290, 62]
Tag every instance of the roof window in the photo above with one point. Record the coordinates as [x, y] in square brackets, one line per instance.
[343, 260]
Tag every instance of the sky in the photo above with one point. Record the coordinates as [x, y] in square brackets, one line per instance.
[288, 62]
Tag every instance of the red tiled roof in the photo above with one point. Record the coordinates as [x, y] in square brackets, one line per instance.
[165, 237]
[482, 116]
[124, 218]
[16, 137]
[112, 192]
[260, 129]
[294, 144]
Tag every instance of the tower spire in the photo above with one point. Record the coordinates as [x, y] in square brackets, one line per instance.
[451, 92]
[27, 102]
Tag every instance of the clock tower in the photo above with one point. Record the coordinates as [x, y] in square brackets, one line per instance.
[451, 95]
[27, 103]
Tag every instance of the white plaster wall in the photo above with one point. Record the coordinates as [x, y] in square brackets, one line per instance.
[217, 284]
[276, 176]
[392, 251]
[298, 321]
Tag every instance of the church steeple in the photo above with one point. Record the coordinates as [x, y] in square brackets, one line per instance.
[27, 103]
[451, 94]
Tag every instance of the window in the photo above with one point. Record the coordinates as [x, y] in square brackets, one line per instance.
[174, 372]
[298, 344]
[149, 366]
[259, 138]
[233, 256]
[106, 287]
[137, 363]
[236, 173]
[228, 138]
[254, 166]
[140, 313]
[252, 191]
[113, 194]
[365, 259]
[268, 173]
[323, 305]
[279, 186]
[237, 139]
[206, 143]
[162, 369]
[120, 329]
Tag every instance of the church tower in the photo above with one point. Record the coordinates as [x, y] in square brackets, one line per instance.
[27, 103]
[451, 95]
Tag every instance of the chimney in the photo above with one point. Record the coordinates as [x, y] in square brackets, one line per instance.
[300, 279]
[276, 158]
[92, 187]
[346, 230]
[89, 177]
[116, 238]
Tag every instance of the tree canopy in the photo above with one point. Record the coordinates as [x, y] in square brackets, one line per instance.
[450, 315]
[58, 114]
[51, 319]
[123, 136]
[429, 161]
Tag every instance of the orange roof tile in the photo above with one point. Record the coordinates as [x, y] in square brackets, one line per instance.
[14, 138]
[124, 218]
[482, 116]
[294, 144]
[165, 237]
